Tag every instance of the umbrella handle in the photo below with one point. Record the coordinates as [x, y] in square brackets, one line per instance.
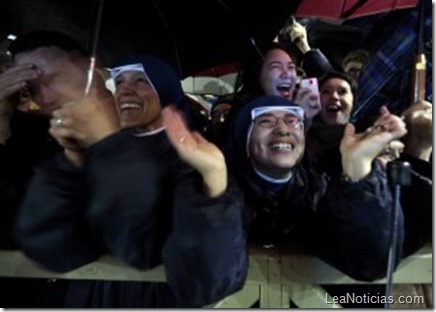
[418, 79]
[420, 66]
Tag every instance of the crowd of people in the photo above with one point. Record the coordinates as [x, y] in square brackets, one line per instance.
[128, 174]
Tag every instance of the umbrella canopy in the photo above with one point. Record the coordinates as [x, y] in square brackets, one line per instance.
[217, 80]
[345, 9]
[193, 35]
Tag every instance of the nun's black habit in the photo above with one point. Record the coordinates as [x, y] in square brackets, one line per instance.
[137, 200]
[346, 223]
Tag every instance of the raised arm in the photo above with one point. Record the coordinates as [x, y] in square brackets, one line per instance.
[358, 207]
[195, 150]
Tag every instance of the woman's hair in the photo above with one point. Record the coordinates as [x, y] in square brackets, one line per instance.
[249, 77]
[358, 55]
[340, 75]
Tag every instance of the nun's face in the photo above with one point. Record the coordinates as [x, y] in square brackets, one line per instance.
[138, 104]
[276, 143]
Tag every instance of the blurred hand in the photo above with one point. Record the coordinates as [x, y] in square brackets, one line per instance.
[308, 100]
[298, 35]
[391, 152]
[77, 157]
[15, 78]
[11, 81]
[78, 125]
[195, 150]
[358, 150]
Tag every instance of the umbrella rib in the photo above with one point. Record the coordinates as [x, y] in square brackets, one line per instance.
[94, 48]
[176, 51]
[353, 9]
[244, 29]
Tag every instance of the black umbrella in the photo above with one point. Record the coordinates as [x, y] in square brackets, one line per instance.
[191, 34]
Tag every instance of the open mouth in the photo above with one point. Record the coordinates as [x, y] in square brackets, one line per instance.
[333, 108]
[130, 108]
[280, 146]
[284, 89]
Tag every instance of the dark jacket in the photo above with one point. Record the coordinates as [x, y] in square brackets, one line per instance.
[146, 209]
[29, 143]
[316, 64]
[418, 218]
[346, 223]
[135, 199]
[323, 145]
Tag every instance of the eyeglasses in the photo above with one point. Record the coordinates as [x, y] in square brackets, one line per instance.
[269, 121]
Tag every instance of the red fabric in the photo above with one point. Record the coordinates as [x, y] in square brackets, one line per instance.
[219, 70]
[335, 9]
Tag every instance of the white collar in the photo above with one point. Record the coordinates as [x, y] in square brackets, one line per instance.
[272, 180]
[148, 133]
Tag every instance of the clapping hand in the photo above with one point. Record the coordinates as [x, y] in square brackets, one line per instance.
[81, 123]
[358, 150]
[195, 150]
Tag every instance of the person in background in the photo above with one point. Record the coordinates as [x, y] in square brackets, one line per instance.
[418, 219]
[337, 103]
[216, 131]
[337, 100]
[274, 74]
[39, 56]
[312, 61]
[418, 148]
[354, 61]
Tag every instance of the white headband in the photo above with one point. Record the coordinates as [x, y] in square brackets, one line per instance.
[295, 110]
[115, 72]
[257, 111]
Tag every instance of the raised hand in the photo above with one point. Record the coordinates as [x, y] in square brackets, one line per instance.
[195, 150]
[298, 35]
[308, 100]
[82, 123]
[358, 150]
[11, 81]
[15, 78]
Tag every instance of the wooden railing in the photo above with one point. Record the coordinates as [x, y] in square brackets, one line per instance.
[276, 276]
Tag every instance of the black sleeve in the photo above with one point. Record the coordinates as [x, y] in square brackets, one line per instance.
[129, 200]
[418, 218]
[149, 216]
[206, 255]
[50, 225]
[358, 218]
[417, 203]
[8, 200]
[315, 64]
